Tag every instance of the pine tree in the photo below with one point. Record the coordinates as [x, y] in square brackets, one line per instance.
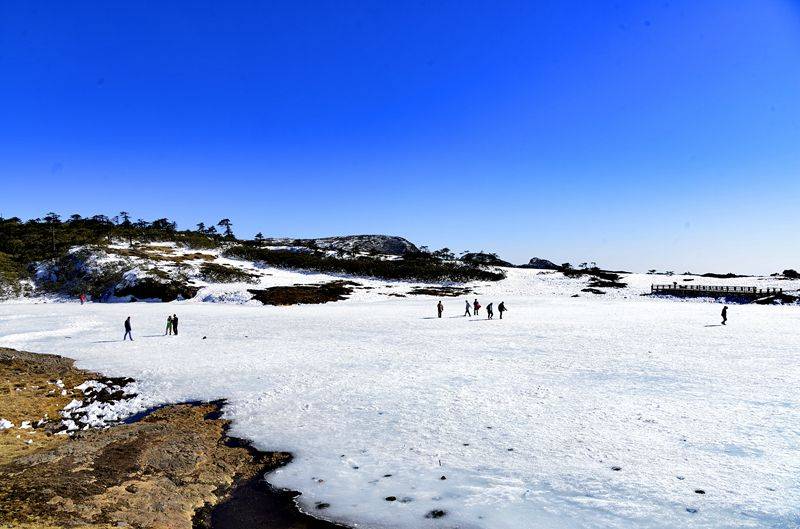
[227, 225]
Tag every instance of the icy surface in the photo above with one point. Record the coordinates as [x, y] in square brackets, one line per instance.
[527, 418]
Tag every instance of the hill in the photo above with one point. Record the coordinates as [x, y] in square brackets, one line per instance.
[113, 260]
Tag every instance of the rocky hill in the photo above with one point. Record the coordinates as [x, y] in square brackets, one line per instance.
[112, 260]
[370, 244]
[541, 264]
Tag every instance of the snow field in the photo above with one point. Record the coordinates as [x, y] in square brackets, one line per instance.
[526, 418]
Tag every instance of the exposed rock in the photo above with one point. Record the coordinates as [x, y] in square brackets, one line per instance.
[154, 473]
[542, 264]
[484, 259]
[34, 389]
[380, 244]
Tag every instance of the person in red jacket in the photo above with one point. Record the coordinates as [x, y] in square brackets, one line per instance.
[476, 307]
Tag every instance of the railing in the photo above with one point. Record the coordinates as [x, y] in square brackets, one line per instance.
[697, 290]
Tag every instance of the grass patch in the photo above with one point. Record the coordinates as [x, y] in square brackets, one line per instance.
[304, 294]
[449, 292]
[220, 273]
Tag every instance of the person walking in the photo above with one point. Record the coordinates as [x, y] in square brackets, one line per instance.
[82, 298]
[128, 329]
[724, 315]
[467, 312]
[501, 308]
[489, 311]
[175, 324]
[169, 326]
[476, 306]
[440, 308]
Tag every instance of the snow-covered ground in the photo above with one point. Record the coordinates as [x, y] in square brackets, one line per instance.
[526, 418]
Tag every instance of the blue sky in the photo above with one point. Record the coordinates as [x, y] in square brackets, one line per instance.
[635, 134]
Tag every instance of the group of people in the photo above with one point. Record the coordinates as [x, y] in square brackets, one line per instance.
[475, 307]
[172, 327]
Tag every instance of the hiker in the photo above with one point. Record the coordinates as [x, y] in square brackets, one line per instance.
[169, 326]
[175, 324]
[724, 314]
[476, 306]
[82, 297]
[501, 308]
[489, 311]
[128, 329]
[467, 312]
[440, 308]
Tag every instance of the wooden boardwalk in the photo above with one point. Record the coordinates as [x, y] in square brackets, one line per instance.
[713, 291]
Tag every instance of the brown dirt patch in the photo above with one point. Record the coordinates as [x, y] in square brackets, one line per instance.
[154, 473]
[175, 468]
[28, 392]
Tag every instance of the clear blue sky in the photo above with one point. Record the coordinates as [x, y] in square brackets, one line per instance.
[632, 133]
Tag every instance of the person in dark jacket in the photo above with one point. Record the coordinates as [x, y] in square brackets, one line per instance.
[128, 329]
[489, 311]
[501, 308]
[175, 324]
[440, 308]
[467, 312]
[476, 307]
[724, 315]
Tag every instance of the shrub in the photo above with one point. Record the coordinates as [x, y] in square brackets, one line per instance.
[410, 267]
[220, 273]
[11, 273]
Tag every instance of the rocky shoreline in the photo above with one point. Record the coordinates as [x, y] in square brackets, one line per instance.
[173, 467]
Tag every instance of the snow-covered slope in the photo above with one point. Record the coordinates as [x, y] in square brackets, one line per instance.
[171, 265]
[602, 411]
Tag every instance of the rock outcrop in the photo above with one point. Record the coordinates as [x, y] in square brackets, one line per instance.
[378, 244]
[541, 264]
